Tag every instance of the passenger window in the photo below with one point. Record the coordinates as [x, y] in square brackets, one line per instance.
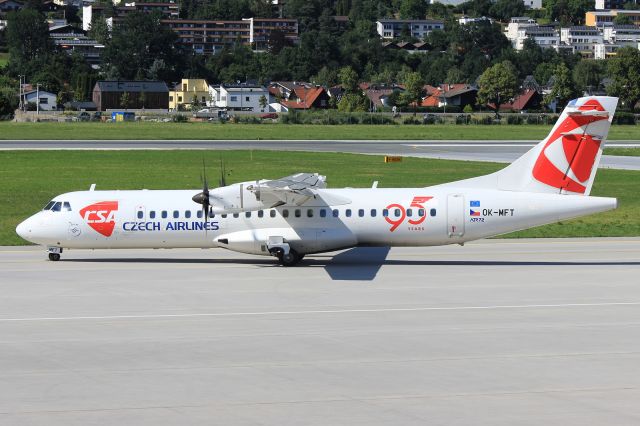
[374, 212]
[187, 214]
[310, 213]
[420, 212]
[49, 205]
[66, 206]
[164, 214]
[347, 212]
[224, 216]
[272, 213]
[323, 213]
[433, 212]
[285, 213]
[199, 214]
[247, 214]
[260, 213]
[297, 212]
[397, 212]
[361, 212]
[409, 212]
[152, 214]
[236, 215]
[385, 213]
[176, 214]
[336, 213]
[56, 207]
[140, 214]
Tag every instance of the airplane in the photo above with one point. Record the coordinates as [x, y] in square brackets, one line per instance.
[298, 215]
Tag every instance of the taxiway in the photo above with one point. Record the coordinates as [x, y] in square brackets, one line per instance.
[498, 332]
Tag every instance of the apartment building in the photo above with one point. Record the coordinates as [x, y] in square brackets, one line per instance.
[389, 29]
[582, 39]
[209, 37]
[612, 4]
[92, 11]
[516, 24]
[600, 18]
[544, 36]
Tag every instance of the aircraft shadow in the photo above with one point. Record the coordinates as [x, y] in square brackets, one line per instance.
[357, 264]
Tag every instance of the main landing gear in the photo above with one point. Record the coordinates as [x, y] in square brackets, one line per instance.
[54, 253]
[285, 254]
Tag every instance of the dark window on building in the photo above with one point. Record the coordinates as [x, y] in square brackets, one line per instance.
[309, 212]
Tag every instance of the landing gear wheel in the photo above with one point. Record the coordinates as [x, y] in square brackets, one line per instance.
[290, 259]
[54, 257]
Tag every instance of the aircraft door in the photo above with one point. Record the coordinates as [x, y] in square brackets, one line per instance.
[455, 215]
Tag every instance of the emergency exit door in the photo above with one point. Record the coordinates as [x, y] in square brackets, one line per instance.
[455, 215]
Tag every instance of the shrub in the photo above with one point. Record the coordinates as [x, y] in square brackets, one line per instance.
[410, 120]
[624, 118]
[180, 118]
[468, 109]
[514, 119]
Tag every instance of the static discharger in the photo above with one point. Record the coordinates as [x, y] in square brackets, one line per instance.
[392, 159]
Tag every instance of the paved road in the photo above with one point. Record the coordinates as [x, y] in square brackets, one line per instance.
[492, 150]
[524, 332]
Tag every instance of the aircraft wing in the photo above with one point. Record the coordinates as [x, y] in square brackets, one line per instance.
[295, 189]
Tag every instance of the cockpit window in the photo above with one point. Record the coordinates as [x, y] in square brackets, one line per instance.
[49, 205]
[66, 206]
[56, 207]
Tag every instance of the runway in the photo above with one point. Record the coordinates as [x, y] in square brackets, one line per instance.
[498, 332]
[479, 150]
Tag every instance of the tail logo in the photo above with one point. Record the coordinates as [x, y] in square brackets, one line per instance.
[567, 159]
[101, 216]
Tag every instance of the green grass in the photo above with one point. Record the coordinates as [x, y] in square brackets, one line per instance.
[146, 130]
[31, 178]
[627, 152]
[4, 59]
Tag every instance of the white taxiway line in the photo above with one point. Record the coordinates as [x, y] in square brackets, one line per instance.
[506, 145]
[328, 311]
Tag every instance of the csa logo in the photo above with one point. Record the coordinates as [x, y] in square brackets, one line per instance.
[101, 216]
[567, 159]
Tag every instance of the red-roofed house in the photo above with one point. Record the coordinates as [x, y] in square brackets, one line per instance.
[527, 99]
[459, 94]
[307, 98]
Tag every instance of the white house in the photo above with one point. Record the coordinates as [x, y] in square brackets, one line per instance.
[47, 100]
[419, 28]
[241, 97]
[582, 39]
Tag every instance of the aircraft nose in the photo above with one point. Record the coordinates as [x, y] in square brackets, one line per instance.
[24, 229]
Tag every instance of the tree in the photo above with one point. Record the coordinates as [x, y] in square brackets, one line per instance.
[136, 43]
[413, 85]
[587, 74]
[99, 30]
[28, 41]
[124, 100]
[498, 85]
[504, 10]
[413, 9]
[621, 19]
[624, 70]
[563, 89]
[349, 79]
[262, 101]
[195, 103]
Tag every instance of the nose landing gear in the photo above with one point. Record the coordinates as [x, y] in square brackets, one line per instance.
[54, 253]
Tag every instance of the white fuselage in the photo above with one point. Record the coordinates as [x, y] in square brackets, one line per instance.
[379, 217]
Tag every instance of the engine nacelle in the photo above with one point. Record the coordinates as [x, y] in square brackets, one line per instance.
[237, 198]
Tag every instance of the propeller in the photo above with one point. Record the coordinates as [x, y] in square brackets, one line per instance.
[203, 197]
[223, 181]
